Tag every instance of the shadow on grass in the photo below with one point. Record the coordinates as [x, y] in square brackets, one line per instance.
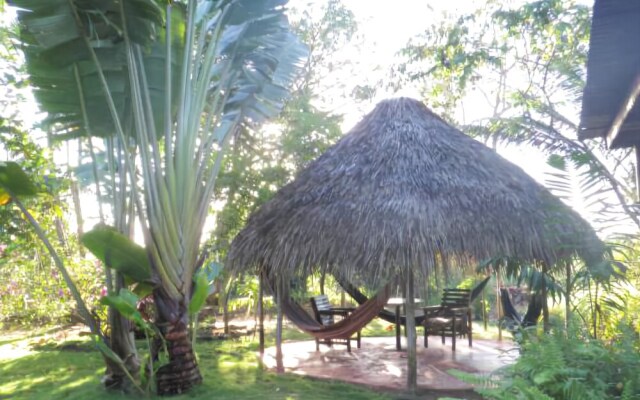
[230, 368]
[20, 334]
[11, 340]
[51, 374]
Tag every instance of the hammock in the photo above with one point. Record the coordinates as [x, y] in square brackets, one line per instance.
[389, 316]
[534, 310]
[342, 329]
[475, 292]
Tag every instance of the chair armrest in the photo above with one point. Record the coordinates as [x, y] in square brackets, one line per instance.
[432, 311]
[458, 311]
[339, 312]
[343, 309]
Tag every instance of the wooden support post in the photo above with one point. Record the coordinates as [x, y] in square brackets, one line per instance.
[484, 311]
[412, 365]
[545, 306]
[498, 305]
[567, 295]
[279, 361]
[261, 313]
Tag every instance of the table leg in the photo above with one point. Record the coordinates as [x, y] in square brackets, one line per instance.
[398, 343]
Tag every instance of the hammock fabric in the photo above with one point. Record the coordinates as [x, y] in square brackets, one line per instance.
[342, 329]
[479, 288]
[534, 310]
[389, 316]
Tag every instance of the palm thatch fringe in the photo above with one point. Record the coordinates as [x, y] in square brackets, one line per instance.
[400, 190]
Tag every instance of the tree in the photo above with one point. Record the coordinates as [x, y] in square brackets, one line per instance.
[35, 290]
[522, 70]
[263, 161]
[174, 110]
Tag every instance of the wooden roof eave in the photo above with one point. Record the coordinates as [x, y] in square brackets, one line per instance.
[613, 133]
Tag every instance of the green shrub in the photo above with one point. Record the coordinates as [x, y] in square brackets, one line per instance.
[568, 365]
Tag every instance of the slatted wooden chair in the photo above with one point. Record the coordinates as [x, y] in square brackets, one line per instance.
[325, 314]
[452, 318]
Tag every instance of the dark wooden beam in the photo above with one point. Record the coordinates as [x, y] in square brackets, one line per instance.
[624, 110]
[637, 151]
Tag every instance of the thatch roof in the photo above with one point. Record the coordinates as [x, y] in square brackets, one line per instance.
[613, 75]
[398, 190]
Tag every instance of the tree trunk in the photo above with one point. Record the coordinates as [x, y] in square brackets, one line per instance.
[181, 373]
[322, 277]
[122, 342]
[75, 196]
[545, 304]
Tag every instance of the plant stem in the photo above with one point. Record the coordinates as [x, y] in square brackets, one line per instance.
[82, 307]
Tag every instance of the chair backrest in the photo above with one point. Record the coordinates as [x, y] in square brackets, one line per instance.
[321, 303]
[454, 298]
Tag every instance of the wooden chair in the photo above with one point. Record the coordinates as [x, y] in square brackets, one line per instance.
[325, 314]
[452, 318]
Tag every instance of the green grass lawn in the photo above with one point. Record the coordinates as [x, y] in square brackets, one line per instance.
[37, 368]
[48, 365]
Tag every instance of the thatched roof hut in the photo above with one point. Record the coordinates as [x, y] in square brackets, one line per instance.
[397, 192]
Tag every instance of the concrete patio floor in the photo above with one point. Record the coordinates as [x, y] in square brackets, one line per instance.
[378, 365]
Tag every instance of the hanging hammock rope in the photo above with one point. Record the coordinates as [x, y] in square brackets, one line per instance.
[389, 316]
[368, 309]
[534, 310]
[342, 329]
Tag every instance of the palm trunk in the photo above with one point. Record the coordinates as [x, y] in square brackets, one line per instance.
[181, 373]
[122, 342]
